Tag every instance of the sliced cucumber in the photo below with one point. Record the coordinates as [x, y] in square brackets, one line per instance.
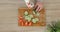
[36, 19]
[34, 12]
[28, 18]
[25, 13]
[31, 16]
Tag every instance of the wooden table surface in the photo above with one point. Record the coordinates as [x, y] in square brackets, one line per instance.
[9, 12]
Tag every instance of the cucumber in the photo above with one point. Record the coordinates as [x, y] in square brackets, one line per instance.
[34, 12]
[34, 21]
[25, 13]
[28, 18]
[31, 16]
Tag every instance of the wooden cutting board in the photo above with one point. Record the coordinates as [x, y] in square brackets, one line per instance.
[42, 19]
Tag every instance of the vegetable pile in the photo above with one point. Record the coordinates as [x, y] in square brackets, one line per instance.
[29, 19]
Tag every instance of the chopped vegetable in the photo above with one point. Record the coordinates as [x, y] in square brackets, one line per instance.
[36, 19]
[26, 23]
[26, 17]
[30, 16]
[20, 20]
[20, 17]
[33, 20]
[25, 13]
[30, 23]
[21, 23]
[34, 12]
[29, 19]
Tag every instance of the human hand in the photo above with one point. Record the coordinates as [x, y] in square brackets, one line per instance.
[38, 6]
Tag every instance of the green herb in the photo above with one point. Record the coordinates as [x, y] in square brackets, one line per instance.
[54, 26]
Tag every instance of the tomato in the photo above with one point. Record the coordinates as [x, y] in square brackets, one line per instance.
[20, 17]
[30, 23]
[22, 23]
[26, 23]
[20, 20]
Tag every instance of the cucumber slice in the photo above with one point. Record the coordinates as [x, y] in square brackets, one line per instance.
[34, 20]
[34, 12]
[28, 18]
[25, 13]
[31, 16]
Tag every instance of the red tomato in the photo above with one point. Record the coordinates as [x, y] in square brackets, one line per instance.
[26, 23]
[30, 23]
[20, 17]
[21, 23]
